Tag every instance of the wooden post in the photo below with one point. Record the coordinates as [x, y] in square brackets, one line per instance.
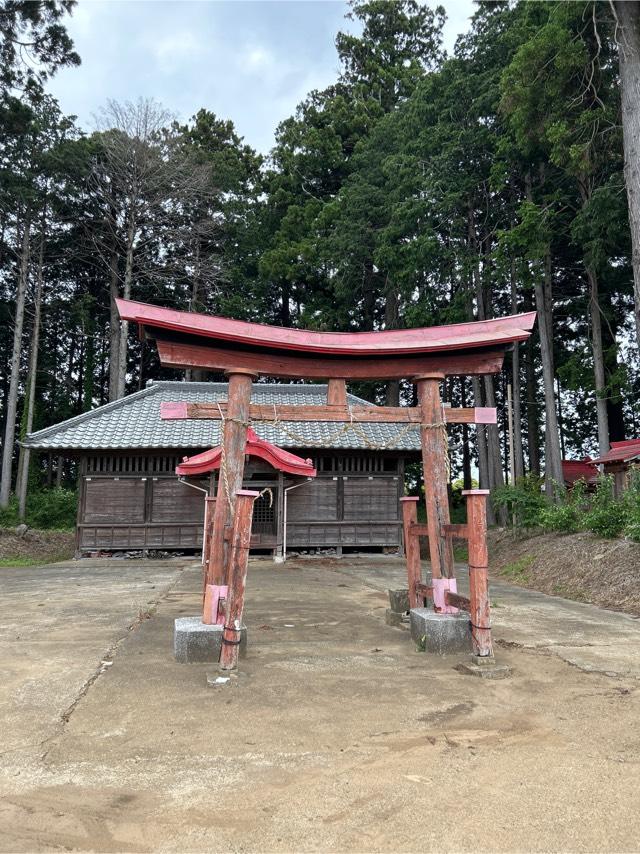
[234, 441]
[411, 549]
[337, 393]
[239, 559]
[434, 467]
[480, 611]
[209, 508]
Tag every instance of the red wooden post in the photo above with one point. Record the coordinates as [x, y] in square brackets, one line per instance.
[434, 467]
[234, 440]
[411, 549]
[480, 611]
[209, 508]
[239, 558]
[337, 393]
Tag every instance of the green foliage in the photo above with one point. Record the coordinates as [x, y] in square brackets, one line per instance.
[606, 516]
[523, 501]
[568, 515]
[47, 509]
[601, 512]
[33, 42]
[632, 506]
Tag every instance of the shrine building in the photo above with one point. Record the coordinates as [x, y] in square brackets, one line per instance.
[130, 498]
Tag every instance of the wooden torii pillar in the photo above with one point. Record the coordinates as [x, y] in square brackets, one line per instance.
[234, 439]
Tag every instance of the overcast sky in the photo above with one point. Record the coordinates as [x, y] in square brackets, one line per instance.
[250, 61]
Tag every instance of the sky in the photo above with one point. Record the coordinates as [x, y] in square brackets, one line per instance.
[251, 61]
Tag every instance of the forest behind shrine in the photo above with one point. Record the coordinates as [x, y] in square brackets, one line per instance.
[418, 189]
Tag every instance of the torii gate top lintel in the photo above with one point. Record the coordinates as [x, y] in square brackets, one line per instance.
[188, 339]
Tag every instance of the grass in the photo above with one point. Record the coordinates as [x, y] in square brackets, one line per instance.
[22, 561]
[460, 552]
[518, 570]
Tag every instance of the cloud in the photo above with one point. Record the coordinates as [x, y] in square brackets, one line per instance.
[174, 49]
[251, 62]
[256, 58]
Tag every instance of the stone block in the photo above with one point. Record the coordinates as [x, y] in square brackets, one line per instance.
[195, 641]
[396, 618]
[485, 668]
[399, 601]
[442, 634]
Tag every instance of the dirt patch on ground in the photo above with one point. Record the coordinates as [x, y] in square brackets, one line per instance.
[35, 547]
[576, 566]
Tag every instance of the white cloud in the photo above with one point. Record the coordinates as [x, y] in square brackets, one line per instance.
[174, 48]
[256, 58]
[251, 62]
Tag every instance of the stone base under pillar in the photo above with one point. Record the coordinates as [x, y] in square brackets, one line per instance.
[195, 641]
[442, 634]
[485, 667]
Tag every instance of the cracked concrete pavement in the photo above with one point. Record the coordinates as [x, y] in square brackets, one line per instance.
[585, 636]
[335, 735]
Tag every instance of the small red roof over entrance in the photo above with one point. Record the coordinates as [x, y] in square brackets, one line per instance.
[278, 458]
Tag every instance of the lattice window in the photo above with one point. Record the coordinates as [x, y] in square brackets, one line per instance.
[132, 464]
[264, 514]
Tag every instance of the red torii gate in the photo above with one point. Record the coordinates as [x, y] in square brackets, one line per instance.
[426, 356]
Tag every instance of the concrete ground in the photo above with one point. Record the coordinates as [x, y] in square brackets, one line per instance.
[336, 735]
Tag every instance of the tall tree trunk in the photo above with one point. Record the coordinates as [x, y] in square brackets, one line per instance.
[466, 451]
[553, 457]
[628, 34]
[114, 327]
[191, 375]
[543, 290]
[518, 455]
[25, 453]
[494, 455]
[391, 321]
[484, 478]
[126, 293]
[475, 290]
[12, 398]
[598, 363]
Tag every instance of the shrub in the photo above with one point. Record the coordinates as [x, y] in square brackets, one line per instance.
[606, 516]
[632, 506]
[523, 501]
[568, 515]
[48, 509]
[52, 508]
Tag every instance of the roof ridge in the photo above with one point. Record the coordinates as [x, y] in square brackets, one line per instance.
[307, 387]
[258, 385]
[93, 413]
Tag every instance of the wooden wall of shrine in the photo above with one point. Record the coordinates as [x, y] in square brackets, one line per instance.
[135, 502]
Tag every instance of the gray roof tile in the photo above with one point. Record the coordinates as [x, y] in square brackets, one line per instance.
[134, 422]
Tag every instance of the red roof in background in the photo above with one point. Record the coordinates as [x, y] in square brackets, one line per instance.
[484, 333]
[280, 459]
[573, 470]
[621, 451]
